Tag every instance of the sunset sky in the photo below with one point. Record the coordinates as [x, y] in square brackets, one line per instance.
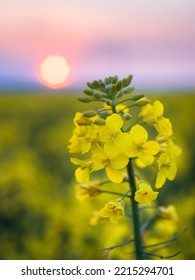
[153, 40]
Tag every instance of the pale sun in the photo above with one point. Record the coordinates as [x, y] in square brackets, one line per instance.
[54, 71]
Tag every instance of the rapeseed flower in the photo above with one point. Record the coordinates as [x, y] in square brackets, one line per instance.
[84, 169]
[140, 148]
[145, 194]
[113, 210]
[168, 146]
[83, 135]
[112, 136]
[96, 219]
[113, 163]
[168, 213]
[153, 115]
[167, 169]
[86, 191]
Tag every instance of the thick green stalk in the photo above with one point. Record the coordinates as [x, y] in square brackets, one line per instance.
[135, 213]
[134, 205]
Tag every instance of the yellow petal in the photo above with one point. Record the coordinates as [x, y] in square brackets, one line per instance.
[147, 112]
[108, 107]
[103, 134]
[114, 175]
[99, 157]
[152, 147]
[78, 116]
[120, 161]
[114, 219]
[145, 194]
[122, 139]
[111, 149]
[158, 108]
[82, 175]
[172, 171]
[160, 180]
[164, 159]
[104, 212]
[147, 160]
[132, 150]
[96, 151]
[114, 122]
[76, 161]
[176, 150]
[164, 127]
[122, 108]
[85, 146]
[140, 163]
[138, 134]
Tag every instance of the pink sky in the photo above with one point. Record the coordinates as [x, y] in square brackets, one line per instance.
[153, 40]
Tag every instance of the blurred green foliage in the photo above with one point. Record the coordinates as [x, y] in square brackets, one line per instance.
[40, 217]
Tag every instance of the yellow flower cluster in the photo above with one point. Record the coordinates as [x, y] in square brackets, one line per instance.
[108, 145]
[165, 162]
[101, 136]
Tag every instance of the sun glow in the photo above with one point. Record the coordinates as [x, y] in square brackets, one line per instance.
[54, 71]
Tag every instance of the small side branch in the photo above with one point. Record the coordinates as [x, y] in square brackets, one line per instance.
[116, 246]
[166, 242]
[162, 257]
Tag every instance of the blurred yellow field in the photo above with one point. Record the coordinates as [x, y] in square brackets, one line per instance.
[40, 217]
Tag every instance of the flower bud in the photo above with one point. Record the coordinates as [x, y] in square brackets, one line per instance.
[90, 85]
[88, 91]
[119, 86]
[84, 122]
[129, 90]
[103, 113]
[108, 80]
[85, 99]
[142, 102]
[126, 81]
[137, 97]
[89, 114]
[127, 116]
[151, 121]
[95, 84]
[113, 90]
[99, 122]
[108, 101]
[115, 80]
[101, 83]
[97, 95]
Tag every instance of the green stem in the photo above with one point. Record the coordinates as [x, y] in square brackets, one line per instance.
[118, 245]
[162, 257]
[114, 109]
[135, 213]
[126, 107]
[114, 193]
[175, 237]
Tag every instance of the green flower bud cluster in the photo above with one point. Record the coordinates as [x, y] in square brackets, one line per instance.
[112, 92]
[108, 88]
